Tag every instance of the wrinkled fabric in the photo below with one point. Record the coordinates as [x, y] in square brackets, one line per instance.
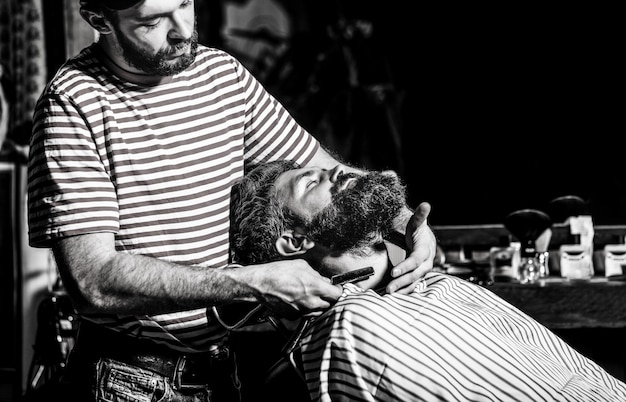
[449, 340]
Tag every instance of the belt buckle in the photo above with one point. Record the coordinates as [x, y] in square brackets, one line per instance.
[179, 369]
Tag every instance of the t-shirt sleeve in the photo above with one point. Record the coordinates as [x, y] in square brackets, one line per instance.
[271, 132]
[70, 191]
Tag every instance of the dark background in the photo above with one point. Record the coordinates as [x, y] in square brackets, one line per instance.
[498, 107]
[516, 106]
[502, 107]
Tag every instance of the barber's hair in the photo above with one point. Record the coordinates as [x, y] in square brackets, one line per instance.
[258, 218]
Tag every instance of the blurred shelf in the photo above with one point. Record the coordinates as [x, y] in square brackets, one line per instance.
[493, 235]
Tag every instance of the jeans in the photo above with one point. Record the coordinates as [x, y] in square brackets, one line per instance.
[119, 382]
[100, 368]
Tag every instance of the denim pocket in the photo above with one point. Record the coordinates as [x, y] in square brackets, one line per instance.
[119, 382]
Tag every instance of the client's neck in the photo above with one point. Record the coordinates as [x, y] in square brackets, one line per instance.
[375, 257]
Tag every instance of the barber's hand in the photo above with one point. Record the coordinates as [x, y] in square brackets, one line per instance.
[422, 246]
[293, 289]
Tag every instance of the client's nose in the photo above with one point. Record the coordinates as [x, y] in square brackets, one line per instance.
[334, 173]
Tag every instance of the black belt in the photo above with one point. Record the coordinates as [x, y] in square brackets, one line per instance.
[186, 370]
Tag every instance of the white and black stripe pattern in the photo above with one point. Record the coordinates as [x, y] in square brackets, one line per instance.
[450, 340]
[154, 165]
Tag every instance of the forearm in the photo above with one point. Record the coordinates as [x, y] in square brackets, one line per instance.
[101, 280]
[135, 284]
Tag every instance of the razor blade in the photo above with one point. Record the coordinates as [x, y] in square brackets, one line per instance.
[352, 276]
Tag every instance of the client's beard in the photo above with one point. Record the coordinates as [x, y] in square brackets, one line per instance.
[360, 215]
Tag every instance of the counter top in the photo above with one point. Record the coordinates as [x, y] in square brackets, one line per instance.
[560, 303]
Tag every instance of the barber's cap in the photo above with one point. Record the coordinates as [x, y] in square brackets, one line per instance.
[112, 4]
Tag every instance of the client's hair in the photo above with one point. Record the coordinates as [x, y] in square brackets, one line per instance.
[257, 216]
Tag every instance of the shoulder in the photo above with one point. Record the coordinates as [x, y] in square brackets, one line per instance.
[437, 281]
[78, 77]
[215, 67]
[208, 57]
[365, 303]
[434, 288]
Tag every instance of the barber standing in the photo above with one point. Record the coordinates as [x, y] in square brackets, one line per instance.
[136, 143]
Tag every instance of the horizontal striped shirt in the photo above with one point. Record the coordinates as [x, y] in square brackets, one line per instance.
[449, 340]
[154, 165]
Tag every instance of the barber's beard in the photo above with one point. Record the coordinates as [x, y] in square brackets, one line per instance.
[157, 63]
[360, 215]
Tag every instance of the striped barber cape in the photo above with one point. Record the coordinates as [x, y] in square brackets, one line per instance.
[449, 340]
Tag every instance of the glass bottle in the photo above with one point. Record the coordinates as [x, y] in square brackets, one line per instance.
[529, 269]
[542, 258]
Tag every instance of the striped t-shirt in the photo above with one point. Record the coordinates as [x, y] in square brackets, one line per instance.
[154, 165]
[449, 340]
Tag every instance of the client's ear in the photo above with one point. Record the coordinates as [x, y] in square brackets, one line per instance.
[292, 243]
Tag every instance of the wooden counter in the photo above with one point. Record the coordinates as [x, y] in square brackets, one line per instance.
[558, 303]
[555, 302]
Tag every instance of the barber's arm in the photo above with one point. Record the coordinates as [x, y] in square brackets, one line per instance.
[101, 280]
[420, 239]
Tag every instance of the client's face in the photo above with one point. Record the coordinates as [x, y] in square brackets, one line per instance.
[342, 211]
